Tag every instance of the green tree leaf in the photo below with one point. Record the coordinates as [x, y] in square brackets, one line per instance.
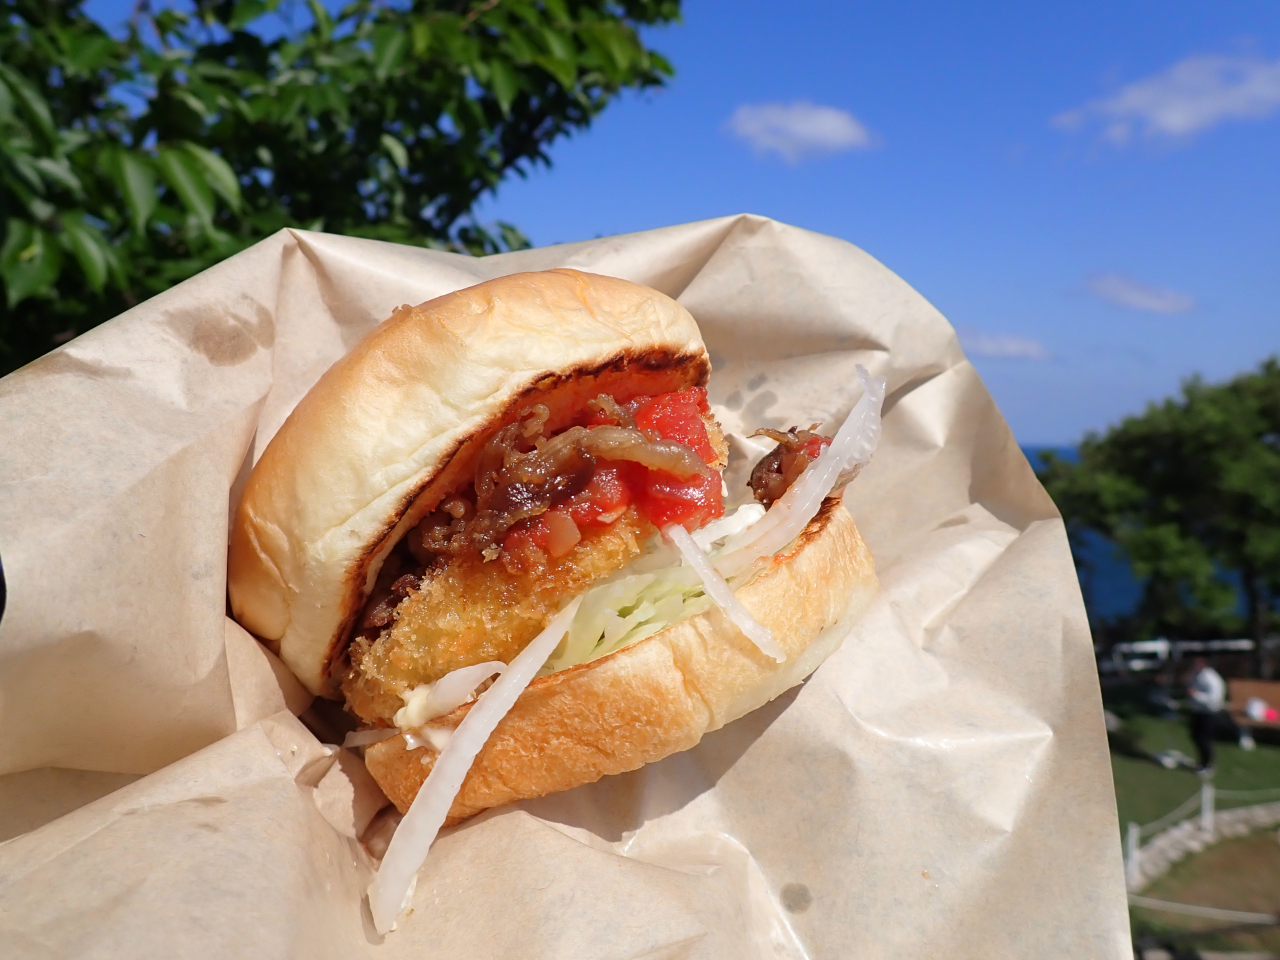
[30, 261]
[323, 22]
[32, 104]
[59, 171]
[218, 173]
[389, 47]
[88, 50]
[90, 250]
[6, 102]
[247, 11]
[559, 45]
[185, 176]
[194, 134]
[396, 151]
[559, 11]
[420, 31]
[28, 171]
[565, 72]
[137, 181]
[614, 44]
[505, 83]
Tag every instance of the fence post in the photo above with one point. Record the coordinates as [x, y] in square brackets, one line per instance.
[1206, 806]
[1132, 867]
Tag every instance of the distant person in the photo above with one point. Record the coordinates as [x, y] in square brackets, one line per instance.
[1207, 692]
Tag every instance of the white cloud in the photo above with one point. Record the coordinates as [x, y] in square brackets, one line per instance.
[798, 130]
[1193, 95]
[1124, 291]
[1001, 346]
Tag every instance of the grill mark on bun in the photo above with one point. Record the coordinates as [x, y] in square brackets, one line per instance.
[815, 527]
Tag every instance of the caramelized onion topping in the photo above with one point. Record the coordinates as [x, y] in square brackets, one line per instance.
[611, 408]
[782, 466]
[392, 587]
[521, 473]
[628, 443]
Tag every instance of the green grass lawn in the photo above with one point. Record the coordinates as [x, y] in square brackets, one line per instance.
[1146, 791]
[1237, 874]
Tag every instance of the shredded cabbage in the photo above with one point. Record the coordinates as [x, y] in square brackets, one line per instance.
[722, 594]
[653, 592]
[625, 610]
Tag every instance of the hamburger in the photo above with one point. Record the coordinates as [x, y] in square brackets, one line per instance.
[523, 480]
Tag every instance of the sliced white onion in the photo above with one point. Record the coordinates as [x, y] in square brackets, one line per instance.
[722, 594]
[854, 443]
[430, 700]
[728, 525]
[393, 886]
[363, 738]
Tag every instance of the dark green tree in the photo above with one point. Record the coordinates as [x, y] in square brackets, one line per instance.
[1190, 492]
[129, 163]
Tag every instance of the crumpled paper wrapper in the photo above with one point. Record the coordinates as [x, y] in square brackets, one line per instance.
[940, 786]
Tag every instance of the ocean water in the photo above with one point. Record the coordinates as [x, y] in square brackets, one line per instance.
[1106, 578]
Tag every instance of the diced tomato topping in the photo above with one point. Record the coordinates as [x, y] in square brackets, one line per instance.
[661, 497]
[677, 416]
[813, 447]
[524, 548]
[605, 497]
[525, 534]
[698, 396]
[690, 503]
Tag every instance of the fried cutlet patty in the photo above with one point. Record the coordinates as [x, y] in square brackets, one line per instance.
[473, 611]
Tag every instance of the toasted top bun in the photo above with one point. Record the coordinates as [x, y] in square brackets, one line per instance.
[660, 695]
[397, 424]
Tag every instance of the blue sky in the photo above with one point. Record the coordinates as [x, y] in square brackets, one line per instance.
[1089, 192]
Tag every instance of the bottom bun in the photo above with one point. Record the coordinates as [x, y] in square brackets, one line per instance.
[660, 695]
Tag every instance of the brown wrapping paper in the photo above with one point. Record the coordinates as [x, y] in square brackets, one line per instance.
[939, 786]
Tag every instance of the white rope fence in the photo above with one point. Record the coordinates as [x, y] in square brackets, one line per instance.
[1176, 827]
[1178, 814]
[1271, 793]
[1192, 910]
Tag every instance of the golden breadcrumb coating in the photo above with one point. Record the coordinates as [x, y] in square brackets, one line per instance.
[471, 611]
